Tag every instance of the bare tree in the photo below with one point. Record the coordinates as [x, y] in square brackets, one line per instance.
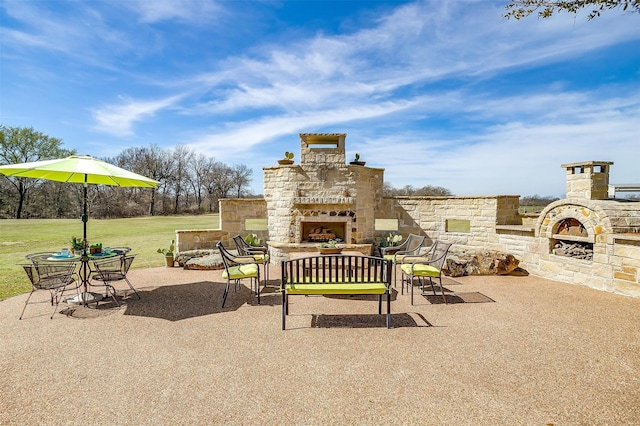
[241, 179]
[181, 158]
[218, 182]
[200, 166]
[152, 162]
[519, 9]
[22, 145]
[408, 190]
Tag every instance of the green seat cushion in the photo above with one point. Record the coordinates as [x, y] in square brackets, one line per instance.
[400, 258]
[365, 288]
[241, 271]
[261, 258]
[420, 270]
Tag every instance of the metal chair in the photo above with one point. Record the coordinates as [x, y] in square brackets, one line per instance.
[55, 277]
[237, 268]
[411, 246]
[113, 269]
[429, 268]
[259, 253]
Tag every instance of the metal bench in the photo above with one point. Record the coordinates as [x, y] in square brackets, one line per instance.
[336, 274]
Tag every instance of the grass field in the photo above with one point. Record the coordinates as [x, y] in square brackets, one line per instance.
[530, 209]
[145, 235]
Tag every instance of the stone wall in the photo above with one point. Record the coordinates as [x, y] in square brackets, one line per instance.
[429, 215]
[324, 189]
[233, 215]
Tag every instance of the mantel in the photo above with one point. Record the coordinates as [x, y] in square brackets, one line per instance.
[324, 200]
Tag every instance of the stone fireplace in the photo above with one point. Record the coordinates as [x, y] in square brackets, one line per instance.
[323, 194]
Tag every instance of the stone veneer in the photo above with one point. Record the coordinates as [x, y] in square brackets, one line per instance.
[324, 188]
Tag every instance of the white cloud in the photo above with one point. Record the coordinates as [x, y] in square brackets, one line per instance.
[521, 156]
[191, 11]
[244, 136]
[119, 119]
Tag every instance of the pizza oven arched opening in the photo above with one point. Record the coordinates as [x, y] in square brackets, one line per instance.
[571, 239]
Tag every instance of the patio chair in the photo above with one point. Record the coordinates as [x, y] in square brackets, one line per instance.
[55, 277]
[410, 246]
[429, 268]
[259, 253]
[113, 269]
[237, 268]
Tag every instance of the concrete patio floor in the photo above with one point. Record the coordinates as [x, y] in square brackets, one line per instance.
[520, 350]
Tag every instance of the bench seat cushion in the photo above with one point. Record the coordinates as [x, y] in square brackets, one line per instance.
[344, 288]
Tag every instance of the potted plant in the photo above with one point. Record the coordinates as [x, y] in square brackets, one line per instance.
[288, 158]
[390, 241]
[356, 161]
[95, 248]
[77, 245]
[253, 240]
[330, 247]
[168, 253]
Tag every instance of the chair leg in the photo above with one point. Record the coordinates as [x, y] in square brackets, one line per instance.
[432, 287]
[258, 287]
[226, 292]
[25, 304]
[410, 283]
[403, 277]
[284, 309]
[442, 290]
[388, 309]
[395, 274]
[110, 291]
[266, 273]
[131, 287]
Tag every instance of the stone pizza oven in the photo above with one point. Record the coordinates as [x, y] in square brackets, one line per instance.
[321, 198]
[581, 229]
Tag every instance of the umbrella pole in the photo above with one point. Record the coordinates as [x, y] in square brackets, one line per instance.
[85, 258]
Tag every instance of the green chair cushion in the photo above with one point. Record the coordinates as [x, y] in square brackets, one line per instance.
[261, 258]
[241, 271]
[420, 270]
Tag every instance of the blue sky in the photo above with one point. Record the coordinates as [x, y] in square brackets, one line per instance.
[442, 93]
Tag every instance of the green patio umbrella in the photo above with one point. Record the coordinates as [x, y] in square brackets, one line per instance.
[79, 169]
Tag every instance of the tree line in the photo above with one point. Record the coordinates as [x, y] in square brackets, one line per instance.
[190, 183]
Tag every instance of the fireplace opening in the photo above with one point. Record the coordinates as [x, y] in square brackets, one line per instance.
[318, 232]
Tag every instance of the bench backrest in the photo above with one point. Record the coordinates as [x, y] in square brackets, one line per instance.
[327, 269]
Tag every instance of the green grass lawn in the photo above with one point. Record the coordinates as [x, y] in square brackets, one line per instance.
[530, 209]
[145, 235]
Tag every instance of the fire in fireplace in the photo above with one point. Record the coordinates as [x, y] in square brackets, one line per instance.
[314, 232]
[319, 229]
